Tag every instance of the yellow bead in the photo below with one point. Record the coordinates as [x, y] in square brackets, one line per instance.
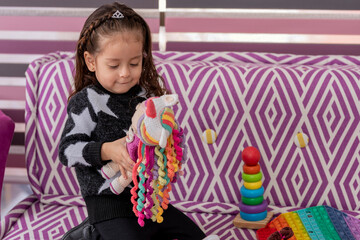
[301, 140]
[253, 185]
[209, 136]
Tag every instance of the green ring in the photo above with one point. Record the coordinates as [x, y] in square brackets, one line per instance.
[252, 201]
[252, 177]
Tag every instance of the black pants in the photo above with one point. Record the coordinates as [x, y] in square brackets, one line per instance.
[176, 225]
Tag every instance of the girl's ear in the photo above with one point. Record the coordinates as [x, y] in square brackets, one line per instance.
[90, 61]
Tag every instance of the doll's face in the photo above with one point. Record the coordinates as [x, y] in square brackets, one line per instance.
[140, 110]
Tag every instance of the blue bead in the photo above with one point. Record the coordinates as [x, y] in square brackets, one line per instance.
[253, 217]
[249, 193]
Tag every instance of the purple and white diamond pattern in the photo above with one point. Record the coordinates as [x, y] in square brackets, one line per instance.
[248, 99]
[266, 105]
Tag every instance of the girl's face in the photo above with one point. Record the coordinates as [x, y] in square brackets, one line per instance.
[118, 64]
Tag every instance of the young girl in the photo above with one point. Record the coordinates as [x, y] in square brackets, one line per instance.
[114, 72]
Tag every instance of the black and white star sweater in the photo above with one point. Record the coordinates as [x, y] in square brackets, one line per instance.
[95, 116]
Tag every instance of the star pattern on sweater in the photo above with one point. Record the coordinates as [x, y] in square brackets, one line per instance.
[99, 102]
[74, 154]
[83, 123]
[107, 182]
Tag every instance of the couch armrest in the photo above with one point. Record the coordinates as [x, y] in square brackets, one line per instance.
[7, 127]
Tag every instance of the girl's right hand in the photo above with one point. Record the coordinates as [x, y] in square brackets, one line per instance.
[117, 152]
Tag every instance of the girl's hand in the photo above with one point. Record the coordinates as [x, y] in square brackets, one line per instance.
[117, 152]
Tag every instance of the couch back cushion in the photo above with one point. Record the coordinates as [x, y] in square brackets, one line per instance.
[48, 83]
[262, 100]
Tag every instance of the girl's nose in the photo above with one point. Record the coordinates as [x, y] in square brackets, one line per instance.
[124, 71]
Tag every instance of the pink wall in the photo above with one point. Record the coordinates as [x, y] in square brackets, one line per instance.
[266, 26]
[60, 24]
[40, 23]
[246, 25]
[32, 23]
[226, 25]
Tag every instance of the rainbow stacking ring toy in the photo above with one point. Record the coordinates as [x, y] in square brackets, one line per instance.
[253, 207]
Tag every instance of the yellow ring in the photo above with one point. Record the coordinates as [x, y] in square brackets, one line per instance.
[253, 185]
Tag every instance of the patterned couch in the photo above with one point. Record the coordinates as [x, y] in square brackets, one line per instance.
[255, 99]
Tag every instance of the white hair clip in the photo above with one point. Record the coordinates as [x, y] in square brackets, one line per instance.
[117, 14]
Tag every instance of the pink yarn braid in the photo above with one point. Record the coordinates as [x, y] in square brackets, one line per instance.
[177, 138]
[149, 165]
[178, 149]
[134, 178]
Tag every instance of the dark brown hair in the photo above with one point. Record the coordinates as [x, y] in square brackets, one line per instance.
[101, 24]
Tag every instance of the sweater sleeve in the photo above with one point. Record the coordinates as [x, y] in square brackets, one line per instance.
[76, 145]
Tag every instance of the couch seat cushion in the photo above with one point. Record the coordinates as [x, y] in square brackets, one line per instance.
[38, 220]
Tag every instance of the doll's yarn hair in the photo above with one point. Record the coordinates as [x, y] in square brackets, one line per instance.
[156, 168]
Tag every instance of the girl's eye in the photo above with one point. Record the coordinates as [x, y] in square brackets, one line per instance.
[134, 64]
[113, 67]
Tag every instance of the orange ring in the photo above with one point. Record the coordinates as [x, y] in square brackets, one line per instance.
[251, 169]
